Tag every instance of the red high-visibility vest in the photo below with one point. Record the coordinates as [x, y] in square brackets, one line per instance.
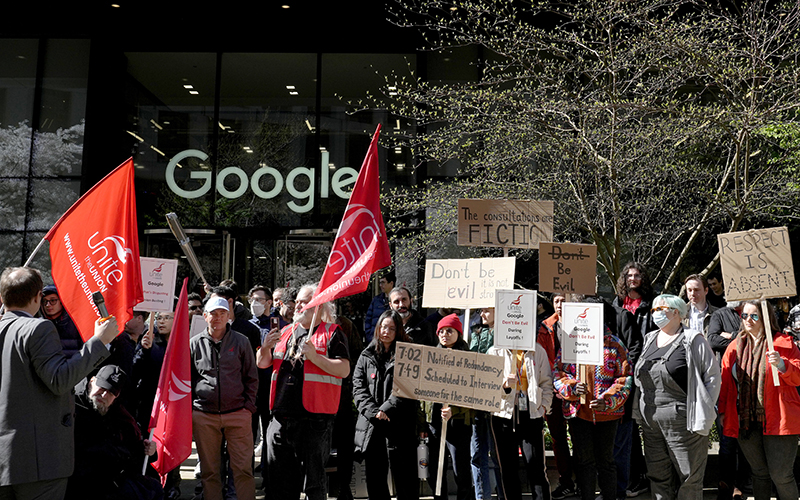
[321, 390]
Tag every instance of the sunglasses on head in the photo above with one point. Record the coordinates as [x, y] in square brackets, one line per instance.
[753, 316]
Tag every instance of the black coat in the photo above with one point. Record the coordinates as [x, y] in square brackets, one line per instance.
[372, 392]
[722, 320]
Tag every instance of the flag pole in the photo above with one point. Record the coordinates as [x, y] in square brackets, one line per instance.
[146, 456]
[35, 251]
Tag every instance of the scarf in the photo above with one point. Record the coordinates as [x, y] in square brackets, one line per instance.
[751, 371]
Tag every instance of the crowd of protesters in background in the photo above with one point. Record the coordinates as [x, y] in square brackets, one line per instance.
[291, 384]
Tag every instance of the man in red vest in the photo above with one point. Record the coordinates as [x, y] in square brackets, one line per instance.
[308, 363]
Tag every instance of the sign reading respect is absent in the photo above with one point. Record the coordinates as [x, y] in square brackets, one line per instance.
[462, 378]
[757, 264]
[466, 283]
[568, 268]
[504, 223]
[158, 284]
[582, 341]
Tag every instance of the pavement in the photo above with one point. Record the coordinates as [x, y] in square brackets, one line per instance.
[188, 481]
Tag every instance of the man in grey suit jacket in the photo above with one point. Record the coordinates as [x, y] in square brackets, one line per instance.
[36, 381]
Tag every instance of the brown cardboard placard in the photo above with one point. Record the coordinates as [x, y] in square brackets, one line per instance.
[461, 378]
[568, 268]
[757, 264]
[504, 223]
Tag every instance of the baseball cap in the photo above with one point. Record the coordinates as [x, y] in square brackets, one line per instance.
[111, 378]
[215, 303]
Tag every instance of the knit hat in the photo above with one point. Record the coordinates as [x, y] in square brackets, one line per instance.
[453, 322]
[49, 289]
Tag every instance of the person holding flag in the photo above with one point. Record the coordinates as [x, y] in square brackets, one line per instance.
[310, 360]
[311, 357]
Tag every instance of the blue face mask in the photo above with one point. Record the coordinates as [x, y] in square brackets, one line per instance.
[660, 319]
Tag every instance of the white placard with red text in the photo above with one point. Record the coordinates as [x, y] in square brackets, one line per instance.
[515, 319]
[582, 340]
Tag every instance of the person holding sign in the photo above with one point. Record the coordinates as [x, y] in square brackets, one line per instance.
[761, 415]
[386, 429]
[678, 380]
[527, 395]
[458, 421]
[593, 423]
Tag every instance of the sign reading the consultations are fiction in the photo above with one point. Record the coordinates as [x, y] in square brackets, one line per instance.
[461, 378]
[504, 223]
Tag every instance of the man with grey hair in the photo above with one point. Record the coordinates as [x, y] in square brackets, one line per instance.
[310, 359]
[36, 380]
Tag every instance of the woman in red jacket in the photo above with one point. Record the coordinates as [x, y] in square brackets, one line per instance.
[762, 416]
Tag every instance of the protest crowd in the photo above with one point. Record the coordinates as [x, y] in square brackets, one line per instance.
[274, 377]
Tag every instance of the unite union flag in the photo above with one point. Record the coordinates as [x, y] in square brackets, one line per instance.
[94, 247]
[171, 416]
[361, 246]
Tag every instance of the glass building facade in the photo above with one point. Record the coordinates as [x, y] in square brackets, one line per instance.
[248, 136]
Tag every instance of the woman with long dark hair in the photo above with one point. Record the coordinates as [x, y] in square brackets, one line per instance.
[386, 430]
[761, 415]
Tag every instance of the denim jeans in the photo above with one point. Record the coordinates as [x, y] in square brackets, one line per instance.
[484, 467]
[297, 450]
[771, 459]
[622, 455]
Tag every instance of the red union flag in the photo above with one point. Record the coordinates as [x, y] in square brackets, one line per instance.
[171, 417]
[94, 247]
[361, 246]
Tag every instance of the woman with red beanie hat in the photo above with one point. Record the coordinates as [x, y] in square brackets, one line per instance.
[458, 421]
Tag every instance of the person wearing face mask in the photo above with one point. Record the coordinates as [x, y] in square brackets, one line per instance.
[260, 298]
[761, 415]
[678, 381]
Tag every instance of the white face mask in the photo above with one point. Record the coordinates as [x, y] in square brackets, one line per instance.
[660, 319]
[257, 308]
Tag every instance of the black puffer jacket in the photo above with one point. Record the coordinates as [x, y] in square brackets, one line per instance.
[372, 392]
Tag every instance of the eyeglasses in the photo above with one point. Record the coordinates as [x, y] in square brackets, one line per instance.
[194, 308]
[659, 308]
[753, 316]
[50, 302]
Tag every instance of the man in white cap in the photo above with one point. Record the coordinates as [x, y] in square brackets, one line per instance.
[224, 387]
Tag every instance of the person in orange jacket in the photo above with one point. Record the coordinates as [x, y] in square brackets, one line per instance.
[756, 411]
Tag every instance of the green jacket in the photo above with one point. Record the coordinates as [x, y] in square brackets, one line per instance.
[481, 338]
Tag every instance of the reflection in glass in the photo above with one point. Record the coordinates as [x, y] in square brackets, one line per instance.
[50, 199]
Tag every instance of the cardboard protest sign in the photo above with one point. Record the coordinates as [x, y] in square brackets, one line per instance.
[568, 268]
[158, 284]
[515, 319]
[462, 378]
[466, 283]
[582, 342]
[504, 223]
[757, 264]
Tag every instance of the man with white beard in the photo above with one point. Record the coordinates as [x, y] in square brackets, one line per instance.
[109, 447]
[308, 364]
